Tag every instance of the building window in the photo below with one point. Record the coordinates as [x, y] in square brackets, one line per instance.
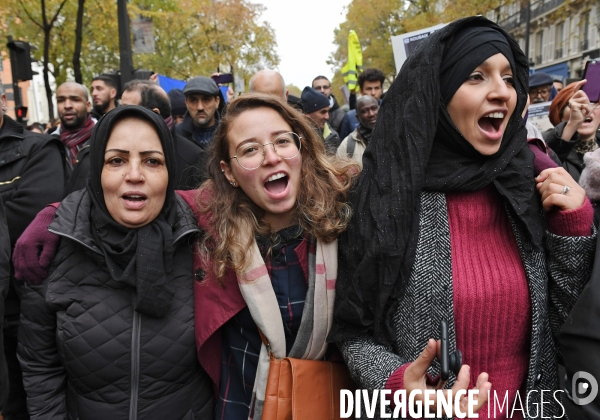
[539, 44]
[584, 27]
[560, 31]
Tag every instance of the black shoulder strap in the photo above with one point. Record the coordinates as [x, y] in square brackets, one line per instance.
[350, 146]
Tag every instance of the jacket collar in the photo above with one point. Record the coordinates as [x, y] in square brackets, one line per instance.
[11, 128]
[72, 220]
[335, 104]
[187, 125]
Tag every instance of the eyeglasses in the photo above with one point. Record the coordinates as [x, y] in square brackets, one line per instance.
[539, 91]
[252, 155]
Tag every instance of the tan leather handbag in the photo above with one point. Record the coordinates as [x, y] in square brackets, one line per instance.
[300, 389]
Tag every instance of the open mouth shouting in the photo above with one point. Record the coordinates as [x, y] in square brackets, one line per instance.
[276, 184]
[492, 124]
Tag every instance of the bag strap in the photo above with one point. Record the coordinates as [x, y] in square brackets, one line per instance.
[350, 146]
[266, 343]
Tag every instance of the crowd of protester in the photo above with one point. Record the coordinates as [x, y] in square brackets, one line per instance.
[167, 245]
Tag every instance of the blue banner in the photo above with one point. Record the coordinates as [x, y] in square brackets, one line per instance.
[168, 84]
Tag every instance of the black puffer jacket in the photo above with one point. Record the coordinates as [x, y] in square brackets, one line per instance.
[85, 352]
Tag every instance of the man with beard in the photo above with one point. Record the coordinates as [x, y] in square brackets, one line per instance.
[355, 144]
[190, 159]
[336, 114]
[204, 103]
[74, 131]
[104, 95]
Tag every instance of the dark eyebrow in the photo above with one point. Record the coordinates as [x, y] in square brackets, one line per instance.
[147, 152]
[274, 133]
[487, 64]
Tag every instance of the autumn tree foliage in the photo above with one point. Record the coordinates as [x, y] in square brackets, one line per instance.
[192, 37]
[376, 21]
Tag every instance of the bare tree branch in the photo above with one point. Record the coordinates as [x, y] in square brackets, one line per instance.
[29, 15]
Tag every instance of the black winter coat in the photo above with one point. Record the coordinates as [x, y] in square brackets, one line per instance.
[86, 354]
[31, 176]
[190, 161]
[4, 282]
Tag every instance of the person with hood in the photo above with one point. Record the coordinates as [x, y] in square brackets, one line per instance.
[575, 131]
[110, 332]
[205, 104]
[447, 226]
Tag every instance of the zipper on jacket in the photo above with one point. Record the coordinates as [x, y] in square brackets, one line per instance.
[135, 364]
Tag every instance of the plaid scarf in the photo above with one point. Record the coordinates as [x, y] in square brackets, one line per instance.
[257, 290]
[73, 139]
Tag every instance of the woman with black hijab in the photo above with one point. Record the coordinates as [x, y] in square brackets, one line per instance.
[110, 332]
[448, 225]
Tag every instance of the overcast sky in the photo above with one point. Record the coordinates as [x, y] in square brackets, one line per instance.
[304, 33]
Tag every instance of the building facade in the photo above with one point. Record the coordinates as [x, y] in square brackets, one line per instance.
[563, 35]
[33, 92]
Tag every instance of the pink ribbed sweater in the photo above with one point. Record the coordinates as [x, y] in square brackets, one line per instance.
[492, 311]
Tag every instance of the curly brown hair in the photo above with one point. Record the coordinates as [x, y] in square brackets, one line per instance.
[320, 208]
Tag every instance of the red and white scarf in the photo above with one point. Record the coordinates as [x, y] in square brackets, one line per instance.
[72, 139]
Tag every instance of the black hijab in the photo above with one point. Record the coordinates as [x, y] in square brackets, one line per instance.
[415, 146]
[143, 257]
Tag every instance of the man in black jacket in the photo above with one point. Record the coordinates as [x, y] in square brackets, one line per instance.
[31, 176]
[75, 131]
[4, 282]
[190, 159]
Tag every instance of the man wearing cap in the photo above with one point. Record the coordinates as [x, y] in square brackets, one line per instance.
[316, 107]
[540, 87]
[204, 102]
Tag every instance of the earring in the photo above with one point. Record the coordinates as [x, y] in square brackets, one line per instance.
[223, 170]
[233, 183]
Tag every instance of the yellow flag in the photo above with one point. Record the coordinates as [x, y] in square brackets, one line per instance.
[353, 67]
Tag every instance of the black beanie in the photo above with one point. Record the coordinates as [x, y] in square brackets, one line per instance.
[313, 100]
[177, 99]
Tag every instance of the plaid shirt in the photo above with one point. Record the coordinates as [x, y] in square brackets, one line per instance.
[241, 341]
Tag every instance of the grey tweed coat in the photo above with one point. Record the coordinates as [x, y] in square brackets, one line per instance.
[556, 278]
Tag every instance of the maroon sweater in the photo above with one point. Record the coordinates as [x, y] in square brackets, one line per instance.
[492, 311]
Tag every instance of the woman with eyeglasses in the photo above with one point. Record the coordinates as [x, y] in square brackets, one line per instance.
[575, 131]
[272, 210]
